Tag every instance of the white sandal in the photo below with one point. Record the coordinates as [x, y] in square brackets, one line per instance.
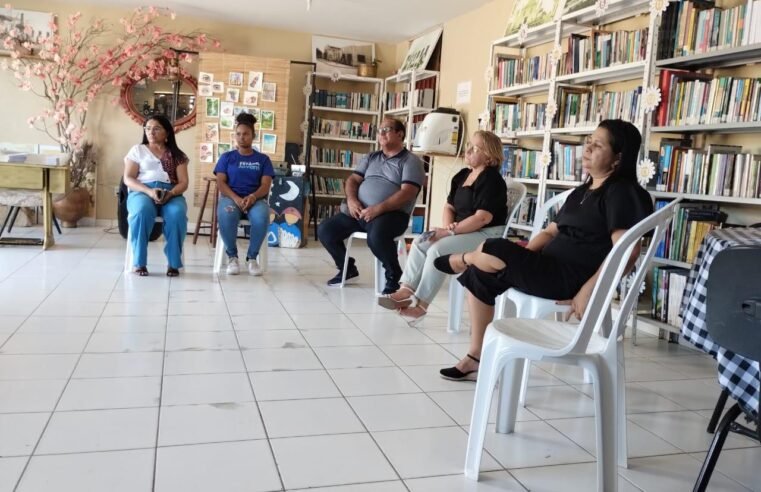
[389, 302]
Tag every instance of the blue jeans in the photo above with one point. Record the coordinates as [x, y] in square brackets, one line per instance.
[228, 217]
[142, 212]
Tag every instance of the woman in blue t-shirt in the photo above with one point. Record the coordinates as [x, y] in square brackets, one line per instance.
[244, 178]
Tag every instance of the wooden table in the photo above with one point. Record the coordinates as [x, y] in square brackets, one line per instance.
[46, 179]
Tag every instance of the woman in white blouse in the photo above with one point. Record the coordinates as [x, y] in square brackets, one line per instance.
[156, 173]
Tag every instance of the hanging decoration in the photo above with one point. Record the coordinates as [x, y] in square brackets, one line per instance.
[552, 109]
[522, 33]
[307, 90]
[545, 159]
[555, 55]
[651, 98]
[335, 75]
[600, 7]
[657, 7]
[645, 171]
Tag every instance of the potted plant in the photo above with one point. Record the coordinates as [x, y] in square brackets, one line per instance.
[69, 70]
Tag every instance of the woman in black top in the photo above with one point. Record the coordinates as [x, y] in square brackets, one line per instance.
[563, 261]
[476, 210]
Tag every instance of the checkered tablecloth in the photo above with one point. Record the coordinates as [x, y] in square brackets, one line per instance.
[738, 375]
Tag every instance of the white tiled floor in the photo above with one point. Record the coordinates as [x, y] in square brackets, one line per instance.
[113, 382]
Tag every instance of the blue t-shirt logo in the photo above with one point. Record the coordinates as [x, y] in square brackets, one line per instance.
[244, 172]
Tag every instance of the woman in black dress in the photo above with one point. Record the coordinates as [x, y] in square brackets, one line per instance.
[563, 261]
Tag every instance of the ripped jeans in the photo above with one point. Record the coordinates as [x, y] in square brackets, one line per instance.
[228, 217]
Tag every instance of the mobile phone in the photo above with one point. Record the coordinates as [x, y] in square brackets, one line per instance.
[427, 235]
[160, 192]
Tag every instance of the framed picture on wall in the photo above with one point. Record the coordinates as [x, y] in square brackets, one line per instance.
[227, 109]
[268, 120]
[250, 98]
[533, 13]
[212, 107]
[420, 51]
[212, 132]
[226, 122]
[269, 143]
[204, 90]
[206, 152]
[232, 95]
[236, 79]
[269, 90]
[33, 26]
[218, 87]
[205, 78]
[255, 81]
[340, 55]
[222, 148]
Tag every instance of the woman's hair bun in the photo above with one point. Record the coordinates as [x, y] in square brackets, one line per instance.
[246, 119]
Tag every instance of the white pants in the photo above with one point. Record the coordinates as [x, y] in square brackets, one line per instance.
[423, 277]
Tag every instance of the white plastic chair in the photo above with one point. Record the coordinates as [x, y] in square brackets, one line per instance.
[219, 251]
[507, 341]
[516, 192]
[380, 272]
[538, 307]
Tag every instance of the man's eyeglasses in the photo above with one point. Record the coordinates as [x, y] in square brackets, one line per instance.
[385, 129]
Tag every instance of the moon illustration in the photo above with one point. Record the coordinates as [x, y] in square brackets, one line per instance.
[292, 192]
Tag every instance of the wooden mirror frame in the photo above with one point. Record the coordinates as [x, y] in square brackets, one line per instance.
[181, 124]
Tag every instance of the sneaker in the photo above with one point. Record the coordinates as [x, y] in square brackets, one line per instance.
[351, 274]
[254, 268]
[232, 266]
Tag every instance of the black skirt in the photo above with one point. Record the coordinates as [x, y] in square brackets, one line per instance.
[530, 272]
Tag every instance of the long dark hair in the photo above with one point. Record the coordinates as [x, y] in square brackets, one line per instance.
[626, 140]
[171, 143]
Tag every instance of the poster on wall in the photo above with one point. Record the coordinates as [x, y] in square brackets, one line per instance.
[420, 51]
[533, 13]
[574, 5]
[340, 55]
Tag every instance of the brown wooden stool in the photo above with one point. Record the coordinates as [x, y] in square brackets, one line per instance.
[212, 225]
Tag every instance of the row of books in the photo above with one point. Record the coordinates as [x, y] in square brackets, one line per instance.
[602, 49]
[336, 157]
[566, 162]
[344, 129]
[516, 116]
[720, 170]
[667, 290]
[526, 211]
[690, 98]
[685, 234]
[423, 95]
[515, 70]
[346, 100]
[329, 186]
[700, 27]
[325, 211]
[583, 107]
[519, 163]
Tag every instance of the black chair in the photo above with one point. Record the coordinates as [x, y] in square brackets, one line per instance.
[733, 319]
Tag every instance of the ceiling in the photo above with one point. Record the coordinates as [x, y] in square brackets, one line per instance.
[389, 21]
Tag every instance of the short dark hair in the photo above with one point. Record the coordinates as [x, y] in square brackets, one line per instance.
[246, 119]
[626, 140]
[398, 125]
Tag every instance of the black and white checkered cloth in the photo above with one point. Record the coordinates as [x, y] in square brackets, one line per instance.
[738, 375]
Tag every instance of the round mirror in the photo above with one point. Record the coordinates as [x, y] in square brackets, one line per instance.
[175, 99]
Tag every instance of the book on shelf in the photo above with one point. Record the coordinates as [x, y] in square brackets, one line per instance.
[422, 96]
[346, 100]
[326, 185]
[343, 129]
[516, 70]
[336, 157]
[667, 291]
[526, 211]
[604, 49]
[582, 107]
[566, 162]
[691, 27]
[575, 107]
[685, 234]
[325, 211]
[511, 115]
[518, 162]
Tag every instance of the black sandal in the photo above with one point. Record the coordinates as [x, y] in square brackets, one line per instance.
[142, 271]
[442, 264]
[172, 272]
[454, 374]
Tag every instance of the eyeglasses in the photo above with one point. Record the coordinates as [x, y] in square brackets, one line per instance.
[154, 129]
[385, 129]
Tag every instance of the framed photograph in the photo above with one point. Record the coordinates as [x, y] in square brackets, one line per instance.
[33, 26]
[204, 91]
[206, 152]
[218, 87]
[227, 108]
[269, 143]
[574, 5]
[533, 13]
[227, 122]
[239, 109]
[255, 81]
[268, 120]
[257, 114]
[340, 55]
[212, 107]
[205, 78]
[236, 79]
[222, 148]
[232, 95]
[269, 90]
[251, 98]
[420, 51]
[212, 132]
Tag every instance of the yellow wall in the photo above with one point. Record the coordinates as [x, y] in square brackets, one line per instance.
[464, 57]
[113, 132]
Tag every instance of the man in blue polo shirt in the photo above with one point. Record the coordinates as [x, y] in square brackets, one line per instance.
[380, 196]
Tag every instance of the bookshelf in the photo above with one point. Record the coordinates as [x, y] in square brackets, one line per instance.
[340, 129]
[571, 73]
[409, 96]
